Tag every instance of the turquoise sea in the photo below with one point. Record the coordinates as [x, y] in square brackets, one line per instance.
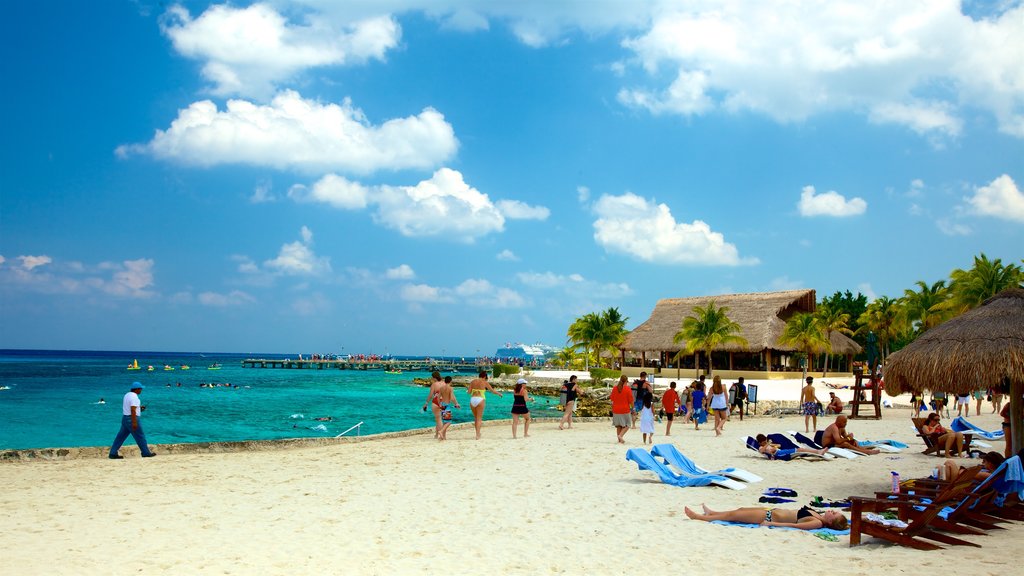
[51, 399]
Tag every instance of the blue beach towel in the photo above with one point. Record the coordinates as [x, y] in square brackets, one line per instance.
[819, 530]
[960, 424]
[871, 443]
[645, 461]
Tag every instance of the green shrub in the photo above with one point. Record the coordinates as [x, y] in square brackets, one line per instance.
[599, 374]
[500, 369]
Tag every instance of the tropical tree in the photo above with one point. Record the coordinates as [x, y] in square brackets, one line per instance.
[597, 332]
[832, 320]
[708, 328]
[988, 277]
[566, 356]
[927, 306]
[804, 331]
[885, 318]
[848, 304]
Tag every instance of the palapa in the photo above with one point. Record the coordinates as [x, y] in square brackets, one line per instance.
[762, 318]
[975, 351]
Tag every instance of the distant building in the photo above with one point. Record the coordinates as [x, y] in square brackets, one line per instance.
[762, 317]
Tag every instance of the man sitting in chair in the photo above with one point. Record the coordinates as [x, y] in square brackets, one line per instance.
[836, 435]
[835, 405]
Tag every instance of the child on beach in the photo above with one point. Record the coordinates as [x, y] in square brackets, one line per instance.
[447, 399]
[647, 421]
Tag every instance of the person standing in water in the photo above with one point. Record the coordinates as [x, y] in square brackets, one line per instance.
[477, 389]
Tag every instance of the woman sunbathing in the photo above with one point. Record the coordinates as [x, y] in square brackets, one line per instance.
[773, 450]
[802, 519]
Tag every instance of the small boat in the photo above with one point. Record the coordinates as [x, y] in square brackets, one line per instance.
[134, 365]
[214, 366]
[168, 367]
[149, 368]
[392, 371]
[185, 367]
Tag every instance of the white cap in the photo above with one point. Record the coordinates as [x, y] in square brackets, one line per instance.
[522, 381]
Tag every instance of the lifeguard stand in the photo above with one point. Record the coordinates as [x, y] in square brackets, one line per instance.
[862, 385]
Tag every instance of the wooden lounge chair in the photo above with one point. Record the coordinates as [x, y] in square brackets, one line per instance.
[922, 525]
[931, 441]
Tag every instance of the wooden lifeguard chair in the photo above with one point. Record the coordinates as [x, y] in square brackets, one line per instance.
[861, 385]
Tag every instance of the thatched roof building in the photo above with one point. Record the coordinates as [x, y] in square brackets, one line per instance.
[762, 317]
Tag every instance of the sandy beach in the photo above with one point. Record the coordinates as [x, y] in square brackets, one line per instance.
[558, 502]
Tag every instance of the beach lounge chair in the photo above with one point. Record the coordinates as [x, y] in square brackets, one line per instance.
[931, 442]
[787, 450]
[920, 519]
[645, 461]
[841, 452]
[960, 424]
[677, 459]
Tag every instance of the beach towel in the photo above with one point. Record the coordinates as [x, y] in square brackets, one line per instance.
[831, 531]
[673, 456]
[1013, 481]
[890, 446]
[960, 424]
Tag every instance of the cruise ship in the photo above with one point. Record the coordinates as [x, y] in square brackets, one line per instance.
[526, 352]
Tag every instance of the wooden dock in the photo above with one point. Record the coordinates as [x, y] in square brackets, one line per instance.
[468, 368]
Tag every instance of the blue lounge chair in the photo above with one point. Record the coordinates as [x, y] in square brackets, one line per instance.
[675, 458]
[645, 461]
[784, 453]
[960, 424]
[848, 454]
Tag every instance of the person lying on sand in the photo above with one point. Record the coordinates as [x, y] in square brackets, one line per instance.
[836, 435]
[773, 450]
[802, 519]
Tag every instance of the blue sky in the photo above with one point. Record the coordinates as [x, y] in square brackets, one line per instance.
[428, 177]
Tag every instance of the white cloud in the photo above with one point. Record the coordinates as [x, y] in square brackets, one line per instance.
[262, 193]
[312, 305]
[952, 228]
[516, 210]
[2, 260]
[250, 50]
[916, 64]
[473, 292]
[298, 258]
[1000, 199]
[574, 285]
[583, 194]
[507, 256]
[444, 205]
[294, 133]
[131, 278]
[31, 262]
[784, 283]
[866, 289]
[233, 298]
[646, 231]
[829, 204]
[424, 293]
[401, 272]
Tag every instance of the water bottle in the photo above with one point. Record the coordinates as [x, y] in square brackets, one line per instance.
[895, 483]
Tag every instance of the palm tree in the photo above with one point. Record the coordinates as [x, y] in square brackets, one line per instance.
[707, 329]
[566, 356]
[885, 318]
[927, 305]
[832, 319]
[804, 331]
[596, 333]
[988, 277]
[583, 334]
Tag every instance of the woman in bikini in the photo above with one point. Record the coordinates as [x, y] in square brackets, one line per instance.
[477, 389]
[434, 400]
[802, 519]
[447, 399]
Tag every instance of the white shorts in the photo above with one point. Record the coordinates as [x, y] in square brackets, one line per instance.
[963, 400]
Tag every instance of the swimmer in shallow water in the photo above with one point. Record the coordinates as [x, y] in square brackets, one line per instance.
[101, 401]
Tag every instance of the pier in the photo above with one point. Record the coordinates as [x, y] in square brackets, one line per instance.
[469, 368]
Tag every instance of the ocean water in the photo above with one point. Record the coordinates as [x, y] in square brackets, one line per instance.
[51, 399]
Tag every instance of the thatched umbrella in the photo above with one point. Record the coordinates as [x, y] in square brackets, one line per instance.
[981, 349]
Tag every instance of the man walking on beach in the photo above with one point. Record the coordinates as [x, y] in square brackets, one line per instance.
[131, 408]
[739, 396]
[809, 404]
[669, 402]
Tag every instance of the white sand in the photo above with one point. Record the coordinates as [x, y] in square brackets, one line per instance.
[559, 502]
